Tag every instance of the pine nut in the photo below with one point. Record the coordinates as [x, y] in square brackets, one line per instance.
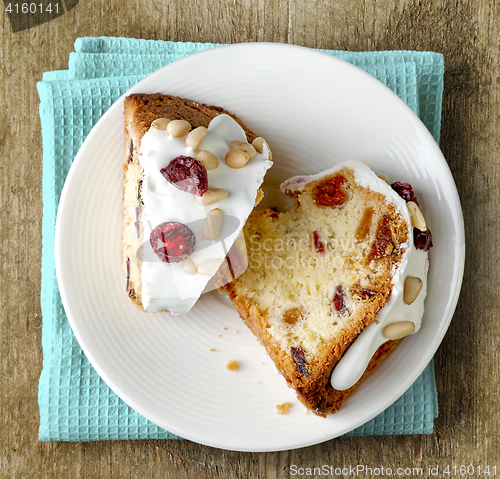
[237, 158]
[195, 137]
[399, 330]
[413, 286]
[178, 128]
[417, 218]
[258, 144]
[160, 123]
[212, 195]
[189, 267]
[209, 267]
[384, 177]
[209, 160]
[211, 226]
[238, 145]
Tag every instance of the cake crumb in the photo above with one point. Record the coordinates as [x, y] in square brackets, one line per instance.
[283, 408]
[232, 365]
[212, 350]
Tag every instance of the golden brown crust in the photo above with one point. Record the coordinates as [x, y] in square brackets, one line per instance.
[142, 109]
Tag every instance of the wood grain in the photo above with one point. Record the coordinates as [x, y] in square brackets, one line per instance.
[465, 31]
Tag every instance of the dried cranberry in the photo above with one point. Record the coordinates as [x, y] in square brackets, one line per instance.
[138, 210]
[318, 244]
[128, 275]
[299, 358]
[338, 300]
[405, 190]
[130, 152]
[422, 239]
[172, 242]
[187, 174]
[331, 192]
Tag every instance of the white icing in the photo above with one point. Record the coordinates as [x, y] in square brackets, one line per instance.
[165, 286]
[413, 263]
[353, 364]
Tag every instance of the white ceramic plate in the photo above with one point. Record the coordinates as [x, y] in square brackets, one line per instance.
[314, 110]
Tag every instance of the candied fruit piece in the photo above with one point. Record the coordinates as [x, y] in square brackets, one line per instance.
[138, 209]
[294, 315]
[318, 244]
[338, 300]
[299, 358]
[405, 190]
[137, 222]
[187, 174]
[129, 289]
[172, 242]
[364, 226]
[362, 293]
[422, 239]
[274, 215]
[383, 244]
[139, 193]
[331, 192]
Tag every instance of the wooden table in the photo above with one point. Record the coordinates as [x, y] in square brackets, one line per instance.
[467, 372]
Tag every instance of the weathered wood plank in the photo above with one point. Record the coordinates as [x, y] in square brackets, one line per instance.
[466, 363]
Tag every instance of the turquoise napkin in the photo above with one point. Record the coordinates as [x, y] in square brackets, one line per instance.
[75, 403]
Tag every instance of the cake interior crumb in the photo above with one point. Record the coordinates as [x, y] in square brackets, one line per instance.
[283, 408]
[301, 260]
[232, 365]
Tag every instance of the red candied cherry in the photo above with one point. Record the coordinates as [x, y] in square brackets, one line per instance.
[172, 242]
[187, 174]
[405, 190]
